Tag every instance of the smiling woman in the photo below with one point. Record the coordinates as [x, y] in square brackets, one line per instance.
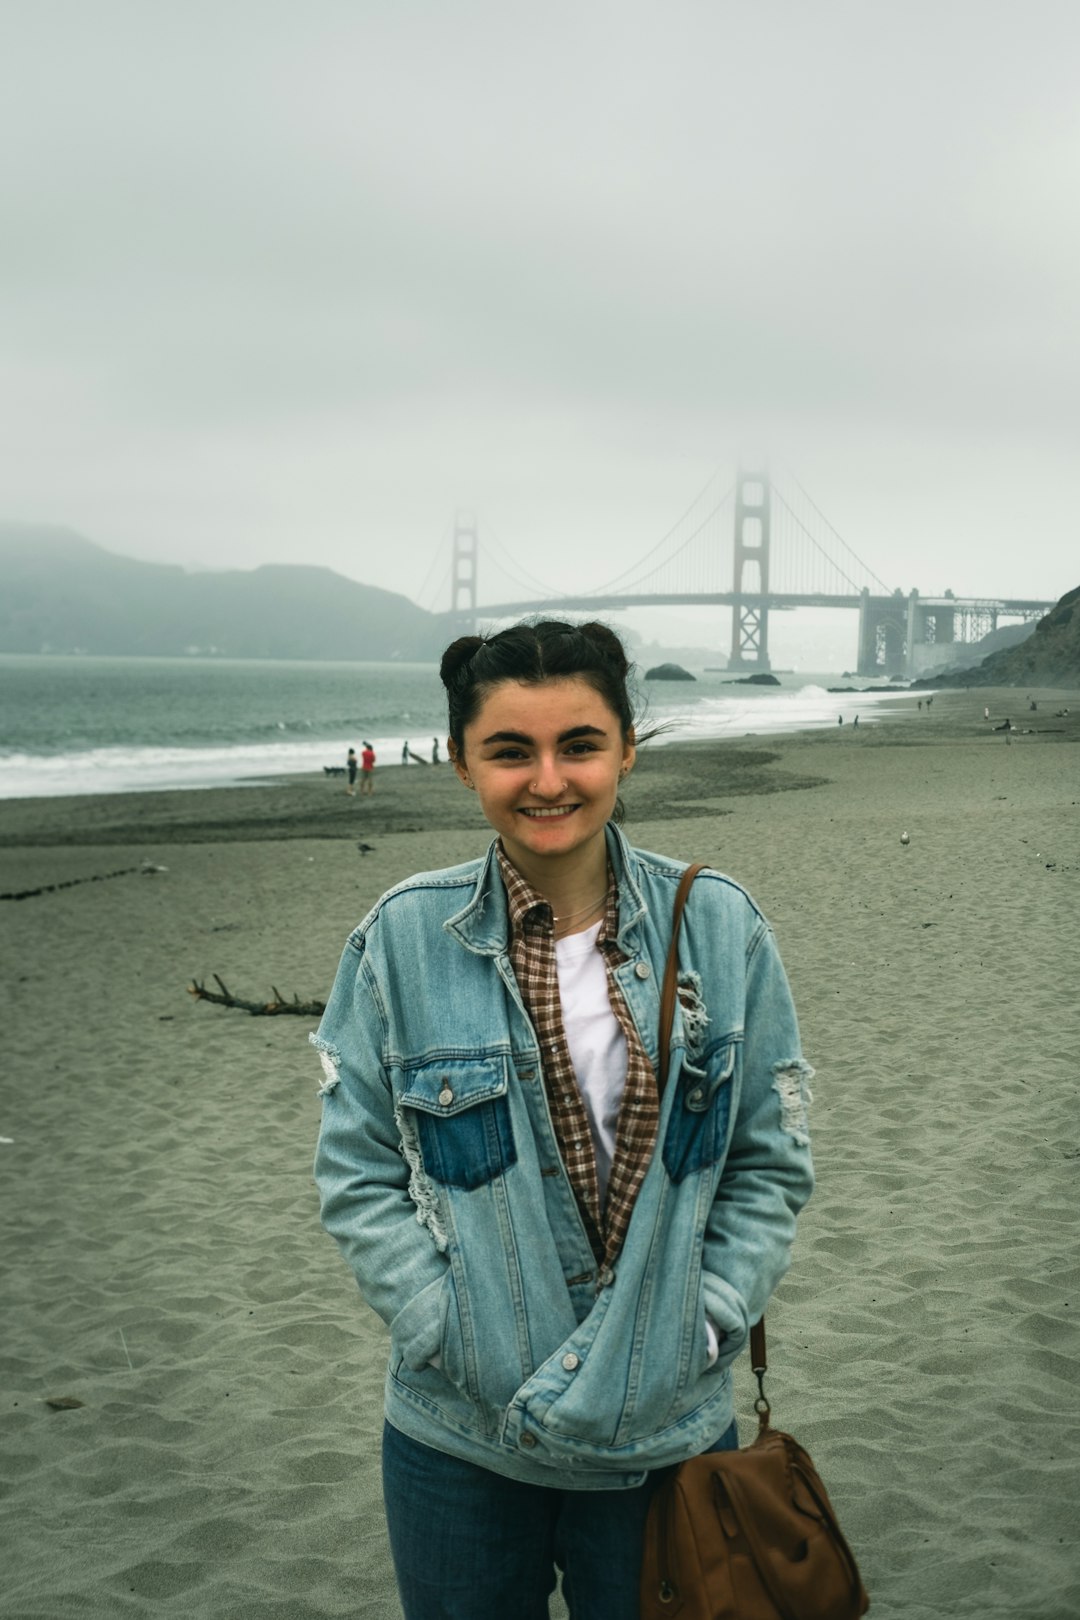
[567, 1242]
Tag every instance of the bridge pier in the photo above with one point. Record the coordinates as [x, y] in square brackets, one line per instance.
[931, 626]
[883, 634]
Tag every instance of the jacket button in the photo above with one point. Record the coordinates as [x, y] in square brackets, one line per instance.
[643, 971]
[571, 1362]
[528, 1440]
[696, 1095]
[446, 1096]
[605, 1277]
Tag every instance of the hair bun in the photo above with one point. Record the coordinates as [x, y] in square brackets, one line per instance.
[457, 655]
[608, 642]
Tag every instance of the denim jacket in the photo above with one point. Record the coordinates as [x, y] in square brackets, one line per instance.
[440, 1178]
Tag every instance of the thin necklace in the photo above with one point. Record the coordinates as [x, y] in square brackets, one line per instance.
[571, 916]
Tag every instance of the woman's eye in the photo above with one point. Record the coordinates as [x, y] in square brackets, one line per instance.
[581, 748]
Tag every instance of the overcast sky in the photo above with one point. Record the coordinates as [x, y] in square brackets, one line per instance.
[286, 282]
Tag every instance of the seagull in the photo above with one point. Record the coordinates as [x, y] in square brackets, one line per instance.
[905, 838]
[365, 849]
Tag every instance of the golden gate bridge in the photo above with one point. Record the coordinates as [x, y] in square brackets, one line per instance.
[762, 546]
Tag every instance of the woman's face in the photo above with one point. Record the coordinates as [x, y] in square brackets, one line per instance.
[546, 761]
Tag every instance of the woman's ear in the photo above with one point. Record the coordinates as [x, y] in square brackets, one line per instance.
[629, 753]
[458, 761]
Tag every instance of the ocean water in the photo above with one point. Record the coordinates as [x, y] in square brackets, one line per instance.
[119, 725]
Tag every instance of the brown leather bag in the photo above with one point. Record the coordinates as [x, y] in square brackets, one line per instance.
[748, 1534]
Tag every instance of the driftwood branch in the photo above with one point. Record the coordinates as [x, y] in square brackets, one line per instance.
[147, 869]
[224, 997]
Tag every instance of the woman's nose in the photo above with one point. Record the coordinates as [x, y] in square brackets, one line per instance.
[548, 782]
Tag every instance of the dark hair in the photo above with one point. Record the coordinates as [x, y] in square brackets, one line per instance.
[548, 650]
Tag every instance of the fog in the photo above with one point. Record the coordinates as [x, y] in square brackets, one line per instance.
[286, 284]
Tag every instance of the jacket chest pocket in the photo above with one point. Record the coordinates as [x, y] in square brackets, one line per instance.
[462, 1114]
[698, 1125]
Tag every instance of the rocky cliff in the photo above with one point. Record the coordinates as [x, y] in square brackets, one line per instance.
[1049, 657]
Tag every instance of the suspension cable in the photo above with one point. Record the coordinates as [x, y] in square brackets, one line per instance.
[866, 568]
[677, 553]
[821, 551]
[512, 569]
[816, 544]
[634, 567]
[437, 553]
[443, 583]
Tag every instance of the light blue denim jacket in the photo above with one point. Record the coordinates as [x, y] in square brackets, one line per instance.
[441, 1180]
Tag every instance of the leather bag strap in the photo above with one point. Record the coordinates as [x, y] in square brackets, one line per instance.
[669, 992]
[668, 997]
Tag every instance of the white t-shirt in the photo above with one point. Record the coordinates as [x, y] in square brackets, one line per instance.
[597, 1044]
[597, 1051]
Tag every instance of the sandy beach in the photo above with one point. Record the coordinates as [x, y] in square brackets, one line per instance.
[163, 1264]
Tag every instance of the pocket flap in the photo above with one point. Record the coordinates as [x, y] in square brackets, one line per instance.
[449, 1085]
[700, 1085]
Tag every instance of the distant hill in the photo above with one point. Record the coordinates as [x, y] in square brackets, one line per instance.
[1050, 656]
[59, 592]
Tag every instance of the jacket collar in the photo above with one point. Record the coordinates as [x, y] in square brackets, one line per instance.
[483, 923]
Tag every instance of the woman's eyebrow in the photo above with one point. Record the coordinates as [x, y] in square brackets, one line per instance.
[507, 736]
[528, 742]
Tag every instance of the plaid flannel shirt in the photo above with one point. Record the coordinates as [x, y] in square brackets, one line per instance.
[532, 955]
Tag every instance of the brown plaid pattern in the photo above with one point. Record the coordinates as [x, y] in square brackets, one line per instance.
[532, 956]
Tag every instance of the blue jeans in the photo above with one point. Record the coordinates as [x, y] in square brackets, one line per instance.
[471, 1545]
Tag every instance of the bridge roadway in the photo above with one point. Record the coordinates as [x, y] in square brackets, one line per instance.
[897, 634]
[780, 600]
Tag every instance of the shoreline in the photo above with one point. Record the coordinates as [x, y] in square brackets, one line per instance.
[672, 778]
[142, 768]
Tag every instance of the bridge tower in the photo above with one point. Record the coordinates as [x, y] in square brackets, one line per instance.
[463, 571]
[750, 611]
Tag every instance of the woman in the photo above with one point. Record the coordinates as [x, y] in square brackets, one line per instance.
[567, 1262]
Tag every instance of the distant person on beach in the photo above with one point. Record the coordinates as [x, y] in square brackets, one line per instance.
[367, 771]
[350, 766]
[568, 1247]
[405, 752]
[434, 750]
